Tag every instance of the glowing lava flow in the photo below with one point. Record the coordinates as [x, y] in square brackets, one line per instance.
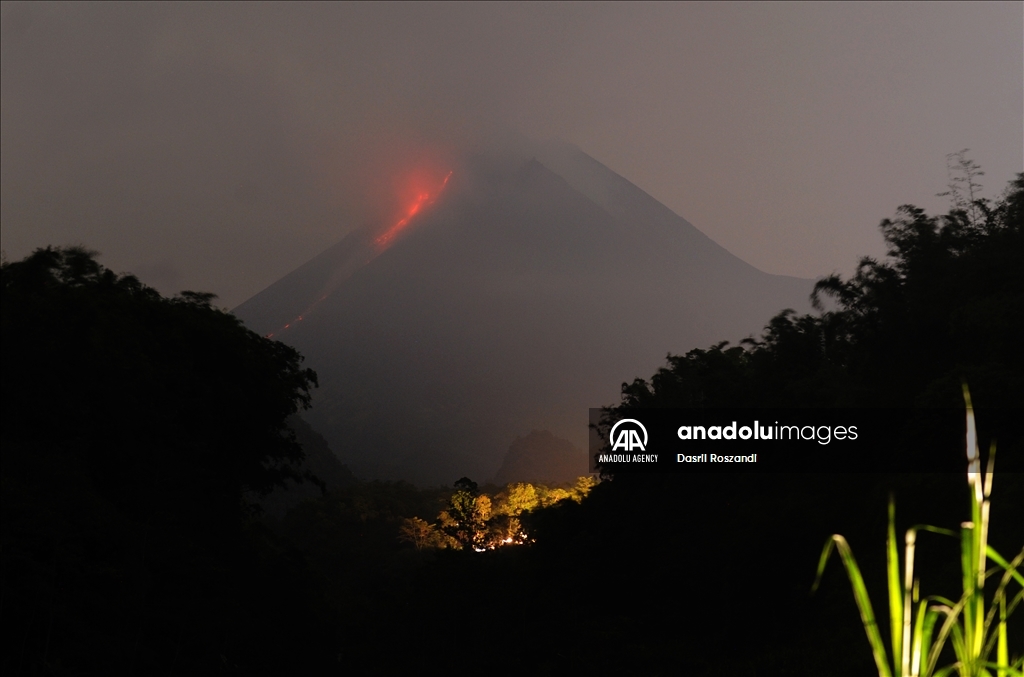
[381, 242]
[422, 200]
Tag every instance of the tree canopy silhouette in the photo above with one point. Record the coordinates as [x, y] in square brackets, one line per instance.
[137, 432]
[947, 304]
[152, 393]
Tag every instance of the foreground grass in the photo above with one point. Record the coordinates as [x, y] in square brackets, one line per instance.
[921, 626]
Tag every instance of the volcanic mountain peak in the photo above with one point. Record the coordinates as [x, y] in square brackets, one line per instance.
[518, 300]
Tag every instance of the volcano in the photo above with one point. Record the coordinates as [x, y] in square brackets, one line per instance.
[524, 293]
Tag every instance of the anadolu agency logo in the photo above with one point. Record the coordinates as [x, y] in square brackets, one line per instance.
[626, 435]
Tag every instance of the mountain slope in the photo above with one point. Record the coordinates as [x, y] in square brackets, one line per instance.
[515, 303]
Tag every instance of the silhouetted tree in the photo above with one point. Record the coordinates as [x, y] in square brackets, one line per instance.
[947, 304]
[135, 428]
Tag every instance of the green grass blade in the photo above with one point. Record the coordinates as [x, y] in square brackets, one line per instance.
[1013, 568]
[1013, 605]
[999, 604]
[935, 530]
[968, 564]
[860, 595]
[892, 562]
[990, 469]
[976, 634]
[959, 645]
[1005, 671]
[1003, 646]
[924, 625]
[952, 614]
[1000, 636]
[966, 558]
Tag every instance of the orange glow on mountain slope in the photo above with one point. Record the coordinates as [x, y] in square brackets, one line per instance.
[422, 200]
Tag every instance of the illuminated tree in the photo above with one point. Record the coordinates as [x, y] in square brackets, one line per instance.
[466, 517]
[420, 534]
[520, 498]
[582, 487]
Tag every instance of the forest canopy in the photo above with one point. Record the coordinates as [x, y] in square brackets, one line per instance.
[144, 389]
[137, 432]
[945, 306]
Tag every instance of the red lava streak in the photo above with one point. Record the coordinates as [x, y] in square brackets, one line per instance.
[421, 200]
[381, 242]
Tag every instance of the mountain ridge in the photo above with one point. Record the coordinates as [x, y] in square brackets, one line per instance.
[515, 303]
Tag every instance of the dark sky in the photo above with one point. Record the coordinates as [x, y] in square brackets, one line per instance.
[217, 147]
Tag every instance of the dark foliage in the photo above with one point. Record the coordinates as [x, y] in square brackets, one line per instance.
[711, 575]
[134, 428]
[946, 306]
[328, 473]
